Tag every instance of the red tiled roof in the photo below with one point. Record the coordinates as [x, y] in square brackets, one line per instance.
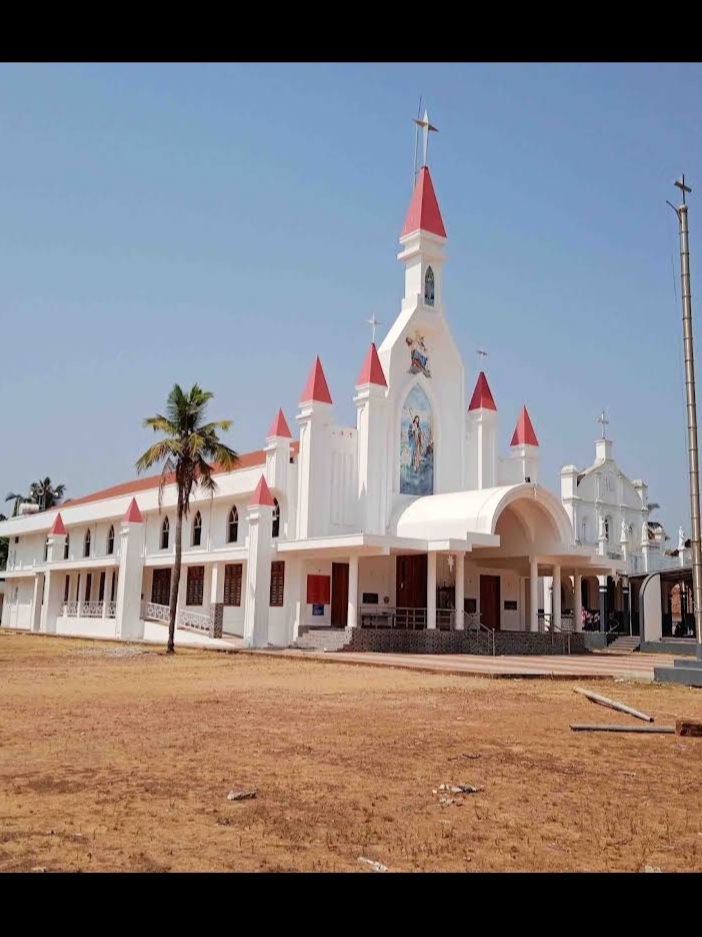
[316, 387]
[524, 434]
[482, 398]
[246, 460]
[133, 514]
[423, 212]
[58, 526]
[372, 369]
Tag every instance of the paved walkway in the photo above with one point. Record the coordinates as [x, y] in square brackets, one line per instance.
[633, 666]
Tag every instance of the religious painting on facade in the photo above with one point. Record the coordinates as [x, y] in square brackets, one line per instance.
[419, 355]
[429, 287]
[417, 445]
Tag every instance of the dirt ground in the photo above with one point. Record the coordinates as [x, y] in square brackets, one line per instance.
[120, 758]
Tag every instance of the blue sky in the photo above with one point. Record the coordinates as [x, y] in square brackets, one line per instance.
[224, 223]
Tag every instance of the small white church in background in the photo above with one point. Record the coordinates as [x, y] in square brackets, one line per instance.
[410, 522]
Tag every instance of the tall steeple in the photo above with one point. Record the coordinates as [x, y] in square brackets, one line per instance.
[423, 237]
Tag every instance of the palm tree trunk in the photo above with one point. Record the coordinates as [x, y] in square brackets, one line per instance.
[175, 585]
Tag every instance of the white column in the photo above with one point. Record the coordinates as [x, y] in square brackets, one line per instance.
[36, 601]
[523, 623]
[217, 583]
[431, 590]
[548, 595]
[556, 614]
[460, 588]
[296, 595]
[258, 576]
[352, 617]
[128, 622]
[533, 594]
[578, 602]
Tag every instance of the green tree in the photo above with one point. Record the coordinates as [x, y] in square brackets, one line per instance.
[42, 493]
[184, 453]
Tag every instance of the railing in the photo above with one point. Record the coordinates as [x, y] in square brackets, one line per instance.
[111, 609]
[404, 619]
[69, 609]
[152, 611]
[472, 622]
[196, 621]
[91, 609]
[547, 623]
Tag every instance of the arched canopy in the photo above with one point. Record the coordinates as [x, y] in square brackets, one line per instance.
[459, 514]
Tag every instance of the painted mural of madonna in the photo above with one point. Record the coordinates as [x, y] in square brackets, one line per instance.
[417, 445]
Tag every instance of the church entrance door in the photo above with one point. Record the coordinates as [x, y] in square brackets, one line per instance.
[340, 594]
[411, 581]
[490, 601]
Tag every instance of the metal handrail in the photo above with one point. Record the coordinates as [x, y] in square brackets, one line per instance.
[474, 623]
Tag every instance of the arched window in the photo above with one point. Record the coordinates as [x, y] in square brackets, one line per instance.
[583, 535]
[197, 530]
[233, 526]
[276, 518]
[165, 533]
[46, 549]
[111, 541]
[86, 543]
[65, 547]
[429, 287]
[607, 529]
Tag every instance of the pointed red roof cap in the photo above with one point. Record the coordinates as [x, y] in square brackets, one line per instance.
[482, 398]
[316, 387]
[524, 434]
[133, 515]
[262, 494]
[58, 526]
[423, 212]
[372, 369]
[279, 427]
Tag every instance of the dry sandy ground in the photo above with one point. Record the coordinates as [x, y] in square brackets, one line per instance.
[118, 758]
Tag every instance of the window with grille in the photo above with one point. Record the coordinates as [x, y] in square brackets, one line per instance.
[86, 544]
[197, 530]
[111, 541]
[232, 584]
[165, 533]
[277, 583]
[196, 585]
[233, 527]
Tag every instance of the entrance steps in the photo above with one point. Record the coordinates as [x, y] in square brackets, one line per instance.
[626, 644]
[323, 639]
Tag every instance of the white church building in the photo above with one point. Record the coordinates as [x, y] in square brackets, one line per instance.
[411, 522]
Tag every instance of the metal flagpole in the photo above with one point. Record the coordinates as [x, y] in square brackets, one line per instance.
[696, 544]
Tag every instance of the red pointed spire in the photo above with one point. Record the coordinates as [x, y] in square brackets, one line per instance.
[524, 434]
[279, 427]
[316, 387]
[482, 398]
[372, 370]
[58, 526]
[262, 494]
[423, 213]
[133, 514]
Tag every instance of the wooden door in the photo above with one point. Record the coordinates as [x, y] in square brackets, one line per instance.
[490, 601]
[161, 587]
[411, 581]
[340, 594]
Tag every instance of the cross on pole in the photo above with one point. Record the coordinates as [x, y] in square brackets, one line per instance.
[683, 188]
[604, 421]
[373, 322]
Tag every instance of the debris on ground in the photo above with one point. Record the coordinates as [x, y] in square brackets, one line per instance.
[467, 755]
[595, 727]
[39, 868]
[224, 821]
[376, 866]
[689, 728]
[612, 704]
[241, 795]
[651, 868]
[444, 790]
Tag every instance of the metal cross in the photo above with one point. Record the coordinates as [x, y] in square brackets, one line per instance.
[604, 421]
[427, 127]
[683, 188]
[373, 322]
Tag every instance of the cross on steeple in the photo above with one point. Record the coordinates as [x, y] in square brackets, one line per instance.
[604, 421]
[373, 322]
[427, 128]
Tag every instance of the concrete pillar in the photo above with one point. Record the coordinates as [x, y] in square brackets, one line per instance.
[556, 613]
[602, 580]
[533, 594]
[129, 623]
[296, 595]
[36, 601]
[460, 589]
[352, 617]
[53, 599]
[216, 599]
[548, 595]
[431, 590]
[258, 576]
[578, 602]
[106, 593]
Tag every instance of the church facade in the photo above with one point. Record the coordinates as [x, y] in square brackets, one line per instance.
[411, 519]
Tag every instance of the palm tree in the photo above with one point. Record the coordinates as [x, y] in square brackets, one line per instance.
[189, 442]
[18, 499]
[4, 547]
[45, 494]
